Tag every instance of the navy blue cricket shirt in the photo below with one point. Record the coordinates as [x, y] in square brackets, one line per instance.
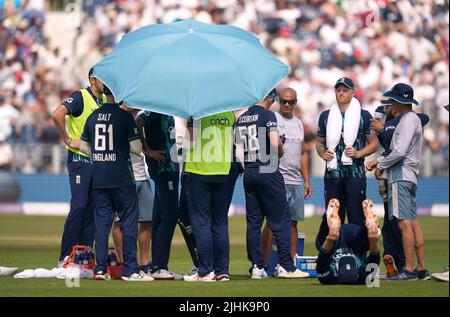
[109, 129]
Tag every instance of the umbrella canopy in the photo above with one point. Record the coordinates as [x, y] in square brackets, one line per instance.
[189, 68]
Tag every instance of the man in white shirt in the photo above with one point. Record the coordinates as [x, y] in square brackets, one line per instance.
[293, 166]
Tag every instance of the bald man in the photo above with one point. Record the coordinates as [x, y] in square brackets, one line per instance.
[293, 167]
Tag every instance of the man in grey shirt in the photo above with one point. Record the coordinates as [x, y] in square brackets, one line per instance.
[293, 167]
[403, 164]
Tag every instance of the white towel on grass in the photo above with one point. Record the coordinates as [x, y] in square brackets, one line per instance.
[60, 273]
[7, 271]
[334, 127]
[75, 272]
[29, 273]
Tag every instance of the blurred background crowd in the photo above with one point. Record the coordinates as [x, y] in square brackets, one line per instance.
[375, 42]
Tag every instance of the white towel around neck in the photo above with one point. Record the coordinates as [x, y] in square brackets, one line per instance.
[334, 127]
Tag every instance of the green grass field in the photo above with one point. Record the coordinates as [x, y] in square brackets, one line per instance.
[33, 241]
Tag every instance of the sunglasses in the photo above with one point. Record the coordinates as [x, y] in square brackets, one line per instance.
[289, 102]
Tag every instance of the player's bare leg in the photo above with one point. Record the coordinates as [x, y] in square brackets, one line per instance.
[144, 238]
[419, 245]
[408, 243]
[117, 238]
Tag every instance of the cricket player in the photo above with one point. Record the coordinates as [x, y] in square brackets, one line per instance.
[343, 253]
[207, 170]
[146, 197]
[393, 256]
[265, 193]
[79, 227]
[347, 183]
[159, 136]
[184, 220]
[403, 165]
[110, 134]
[293, 167]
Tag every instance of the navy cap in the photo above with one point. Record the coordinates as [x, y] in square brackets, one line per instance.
[347, 270]
[345, 81]
[401, 93]
[91, 72]
[274, 94]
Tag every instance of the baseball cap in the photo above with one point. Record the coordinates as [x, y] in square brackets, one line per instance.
[274, 94]
[345, 81]
[401, 93]
[347, 270]
[91, 72]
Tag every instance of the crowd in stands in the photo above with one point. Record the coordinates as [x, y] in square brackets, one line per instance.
[377, 43]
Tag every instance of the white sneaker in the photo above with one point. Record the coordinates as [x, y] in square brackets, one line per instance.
[443, 277]
[138, 277]
[102, 276]
[258, 274]
[210, 277]
[7, 271]
[163, 274]
[282, 273]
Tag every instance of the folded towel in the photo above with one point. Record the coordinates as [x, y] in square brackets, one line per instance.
[7, 271]
[29, 273]
[75, 272]
[351, 128]
[45, 273]
[60, 273]
[334, 130]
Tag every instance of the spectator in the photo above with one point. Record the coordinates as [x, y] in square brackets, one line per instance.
[319, 40]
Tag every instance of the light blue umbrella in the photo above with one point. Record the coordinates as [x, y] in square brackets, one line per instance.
[189, 68]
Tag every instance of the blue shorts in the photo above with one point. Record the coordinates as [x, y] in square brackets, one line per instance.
[402, 200]
[295, 197]
[146, 198]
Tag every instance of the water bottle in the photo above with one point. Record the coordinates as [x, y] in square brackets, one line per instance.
[380, 117]
[81, 258]
[76, 259]
[300, 243]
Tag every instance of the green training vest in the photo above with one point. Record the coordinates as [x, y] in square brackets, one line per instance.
[76, 124]
[212, 152]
